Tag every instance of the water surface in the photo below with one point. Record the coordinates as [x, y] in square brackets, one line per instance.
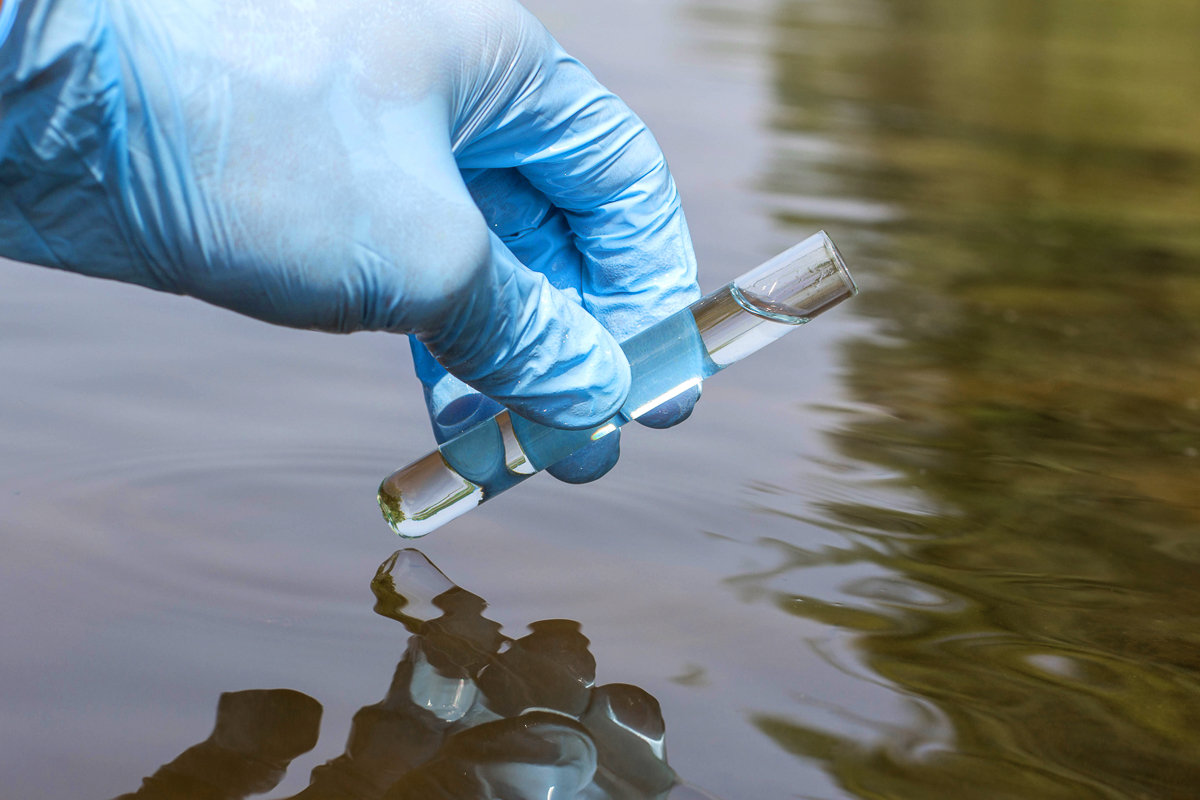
[940, 543]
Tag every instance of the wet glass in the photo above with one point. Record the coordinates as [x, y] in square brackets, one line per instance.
[959, 560]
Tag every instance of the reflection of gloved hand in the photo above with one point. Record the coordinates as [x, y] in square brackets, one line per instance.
[507, 718]
[304, 163]
[433, 686]
[258, 733]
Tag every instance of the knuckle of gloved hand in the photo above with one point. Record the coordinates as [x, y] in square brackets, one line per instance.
[672, 412]
[484, 21]
[590, 463]
[479, 34]
[448, 276]
[414, 275]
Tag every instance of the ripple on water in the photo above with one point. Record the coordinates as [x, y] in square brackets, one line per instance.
[154, 529]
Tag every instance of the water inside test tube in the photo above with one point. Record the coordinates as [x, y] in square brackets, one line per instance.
[733, 323]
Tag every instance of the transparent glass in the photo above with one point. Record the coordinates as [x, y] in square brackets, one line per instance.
[666, 360]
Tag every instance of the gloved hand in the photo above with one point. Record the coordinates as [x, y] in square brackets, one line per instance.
[324, 165]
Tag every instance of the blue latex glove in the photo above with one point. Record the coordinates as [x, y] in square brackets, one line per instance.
[308, 164]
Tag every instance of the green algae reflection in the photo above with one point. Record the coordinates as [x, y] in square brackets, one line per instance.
[1037, 289]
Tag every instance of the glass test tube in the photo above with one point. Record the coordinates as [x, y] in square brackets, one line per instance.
[666, 360]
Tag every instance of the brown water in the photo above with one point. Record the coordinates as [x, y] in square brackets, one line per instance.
[940, 543]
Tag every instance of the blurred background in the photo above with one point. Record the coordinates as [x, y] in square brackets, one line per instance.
[943, 542]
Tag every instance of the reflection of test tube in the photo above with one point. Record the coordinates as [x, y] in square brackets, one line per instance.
[667, 360]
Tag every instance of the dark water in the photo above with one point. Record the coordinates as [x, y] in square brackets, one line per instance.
[941, 543]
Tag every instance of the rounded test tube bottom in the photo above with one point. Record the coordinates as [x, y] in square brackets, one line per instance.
[425, 495]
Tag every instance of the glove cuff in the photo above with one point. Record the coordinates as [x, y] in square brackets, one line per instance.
[8, 13]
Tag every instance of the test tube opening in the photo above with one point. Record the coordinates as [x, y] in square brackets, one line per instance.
[843, 270]
[800, 283]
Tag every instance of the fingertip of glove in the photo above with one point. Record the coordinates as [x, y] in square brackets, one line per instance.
[464, 413]
[673, 411]
[590, 463]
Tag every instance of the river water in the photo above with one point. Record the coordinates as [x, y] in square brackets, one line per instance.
[941, 543]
